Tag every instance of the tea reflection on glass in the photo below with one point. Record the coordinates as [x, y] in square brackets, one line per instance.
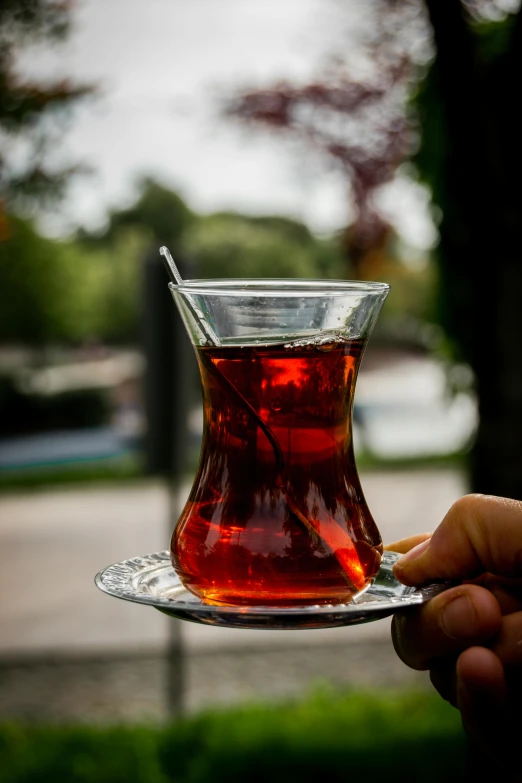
[276, 515]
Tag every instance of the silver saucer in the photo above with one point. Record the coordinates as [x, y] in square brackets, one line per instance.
[151, 580]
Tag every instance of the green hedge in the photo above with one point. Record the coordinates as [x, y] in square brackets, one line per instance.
[354, 737]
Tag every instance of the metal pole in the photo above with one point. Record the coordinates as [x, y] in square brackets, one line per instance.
[169, 372]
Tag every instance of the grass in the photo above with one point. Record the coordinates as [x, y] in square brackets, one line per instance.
[367, 461]
[65, 474]
[131, 467]
[335, 738]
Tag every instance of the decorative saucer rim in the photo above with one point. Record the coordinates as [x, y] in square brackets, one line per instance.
[119, 579]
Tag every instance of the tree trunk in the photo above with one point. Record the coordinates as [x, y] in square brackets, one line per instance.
[479, 253]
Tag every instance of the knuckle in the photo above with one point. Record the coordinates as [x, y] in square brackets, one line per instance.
[468, 502]
[465, 516]
[467, 508]
[471, 540]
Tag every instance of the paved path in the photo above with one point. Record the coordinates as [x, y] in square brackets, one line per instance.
[61, 636]
[129, 688]
[53, 542]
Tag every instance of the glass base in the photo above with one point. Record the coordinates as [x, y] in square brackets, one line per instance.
[151, 580]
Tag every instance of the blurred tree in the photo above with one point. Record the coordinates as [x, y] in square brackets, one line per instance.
[233, 245]
[469, 126]
[58, 291]
[357, 123]
[27, 175]
[158, 213]
[105, 295]
[88, 288]
[35, 285]
[470, 155]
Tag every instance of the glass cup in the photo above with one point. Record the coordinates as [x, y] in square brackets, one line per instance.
[276, 515]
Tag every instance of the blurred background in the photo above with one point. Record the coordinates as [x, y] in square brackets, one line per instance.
[297, 138]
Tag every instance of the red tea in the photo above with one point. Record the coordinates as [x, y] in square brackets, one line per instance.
[276, 514]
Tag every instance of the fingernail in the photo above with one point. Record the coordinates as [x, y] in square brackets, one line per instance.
[413, 554]
[459, 618]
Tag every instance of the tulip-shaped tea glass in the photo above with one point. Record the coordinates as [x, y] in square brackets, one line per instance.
[276, 515]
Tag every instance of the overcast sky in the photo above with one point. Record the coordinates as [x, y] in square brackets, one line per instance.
[161, 66]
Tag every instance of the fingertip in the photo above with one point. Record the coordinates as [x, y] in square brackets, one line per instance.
[408, 568]
[488, 717]
[480, 676]
[404, 576]
[481, 696]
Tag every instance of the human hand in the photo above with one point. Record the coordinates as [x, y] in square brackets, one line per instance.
[470, 637]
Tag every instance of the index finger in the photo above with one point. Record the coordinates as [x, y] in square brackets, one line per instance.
[480, 533]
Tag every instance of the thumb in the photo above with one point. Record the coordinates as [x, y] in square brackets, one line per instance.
[479, 533]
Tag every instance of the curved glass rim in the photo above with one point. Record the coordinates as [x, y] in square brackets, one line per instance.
[278, 286]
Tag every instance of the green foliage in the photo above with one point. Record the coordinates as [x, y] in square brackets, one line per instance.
[89, 288]
[491, 43]
[335, 738]
[412, 292]
[58, 291]
[53, 755]
[158, 212]
[232, 245]
[461, 184]
[107, 289]
[35, 284]
[107, 470]
[325, 737]
[494, 38]
[293, 230]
